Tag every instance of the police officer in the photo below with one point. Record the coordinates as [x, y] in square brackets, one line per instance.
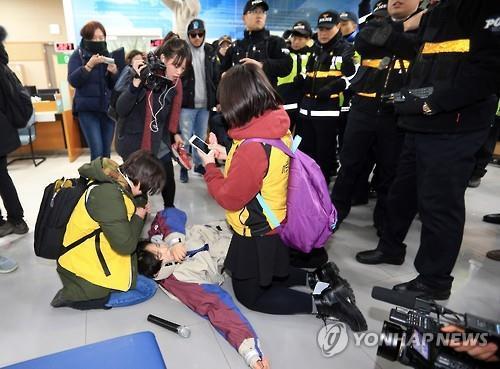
[349, 26]
[327, 72]
[372, 124]
[258, 46]
[446, 111]
[300, 51]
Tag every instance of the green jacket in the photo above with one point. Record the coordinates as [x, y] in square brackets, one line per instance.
[106, 206]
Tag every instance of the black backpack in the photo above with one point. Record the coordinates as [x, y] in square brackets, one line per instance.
[19, 106]
[59, 200]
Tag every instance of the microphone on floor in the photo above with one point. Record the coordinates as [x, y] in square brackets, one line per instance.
[181, 330]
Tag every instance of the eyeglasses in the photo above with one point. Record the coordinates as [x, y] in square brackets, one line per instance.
[257, 11]
[197, 34]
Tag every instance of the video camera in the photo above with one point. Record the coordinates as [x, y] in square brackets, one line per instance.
[153, 74]
[413, 337]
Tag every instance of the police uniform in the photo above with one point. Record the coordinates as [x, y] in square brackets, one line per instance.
[261, 46]
[326, 78]
[288, 88]
[371, 135]
[457, 64]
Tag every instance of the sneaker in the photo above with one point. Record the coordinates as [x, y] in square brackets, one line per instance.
[21, 227]
[336, 304]
[7, 265]
[200, 169]
[184, 175]
[474, 182]
[182, 157]
[6, 228]
[329, 273]
[18, 228]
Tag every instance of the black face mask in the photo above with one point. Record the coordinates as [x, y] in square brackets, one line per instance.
[95, 47]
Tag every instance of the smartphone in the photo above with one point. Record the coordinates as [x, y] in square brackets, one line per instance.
[199, 143]
[107, 60]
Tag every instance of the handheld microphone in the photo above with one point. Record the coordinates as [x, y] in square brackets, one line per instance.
[181, 330]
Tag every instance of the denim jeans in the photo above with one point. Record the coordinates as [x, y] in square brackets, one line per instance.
[98, 130]
[145, 289]
[194, 121]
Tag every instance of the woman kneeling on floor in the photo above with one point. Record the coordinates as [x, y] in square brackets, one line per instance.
[101, 272]
[257, 258]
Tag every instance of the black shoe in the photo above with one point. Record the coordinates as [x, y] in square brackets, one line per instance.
[200, 169]
[376, 256]
[10, 227]
[21, 227]
[492, 218]
[329, 273]
[474, 182]
[184, 175]
[493, 255]
[336, 304]
[425, 292]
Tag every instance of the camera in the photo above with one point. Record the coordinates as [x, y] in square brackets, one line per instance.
[413, 336]
[153, 74]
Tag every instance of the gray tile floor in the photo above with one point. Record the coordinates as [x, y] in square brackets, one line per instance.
[29, 327]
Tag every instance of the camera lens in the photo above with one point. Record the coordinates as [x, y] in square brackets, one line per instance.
[390, 343]
[145, 72]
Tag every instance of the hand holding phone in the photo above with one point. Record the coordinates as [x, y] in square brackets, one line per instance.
[199, 144]
[206, 155]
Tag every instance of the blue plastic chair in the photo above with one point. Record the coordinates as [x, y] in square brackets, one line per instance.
[27, 135]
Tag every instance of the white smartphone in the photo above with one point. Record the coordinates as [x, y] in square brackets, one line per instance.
[107, 60]
[199, 143]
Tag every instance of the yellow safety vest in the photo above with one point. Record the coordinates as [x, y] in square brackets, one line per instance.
[251, 220]
[95, 260]
[293, 73]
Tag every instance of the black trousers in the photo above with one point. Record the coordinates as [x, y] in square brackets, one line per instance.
[365, 134]
[9, 194]
[277, 298]
[483, 156]
[168, 191]
[319, 141]
[432, 176]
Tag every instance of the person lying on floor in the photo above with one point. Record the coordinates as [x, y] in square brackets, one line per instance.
[189, 270]
[101, 272]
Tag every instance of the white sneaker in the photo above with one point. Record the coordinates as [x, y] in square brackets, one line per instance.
[7, 265]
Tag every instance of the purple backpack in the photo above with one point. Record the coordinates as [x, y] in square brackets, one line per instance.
[311, 216]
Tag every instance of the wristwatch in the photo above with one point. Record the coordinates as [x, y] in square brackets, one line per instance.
[427, 109]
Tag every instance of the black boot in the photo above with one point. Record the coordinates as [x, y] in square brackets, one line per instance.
[336, 304]
[329, 273]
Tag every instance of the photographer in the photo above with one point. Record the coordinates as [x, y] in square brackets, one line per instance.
[144, 108]
[93, 77]
[446, 111]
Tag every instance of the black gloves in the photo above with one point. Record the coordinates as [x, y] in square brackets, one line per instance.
[376, 32]
[411, 106]
[332, 88]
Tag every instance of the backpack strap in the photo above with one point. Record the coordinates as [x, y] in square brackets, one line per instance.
[96, 232]
[279, 144]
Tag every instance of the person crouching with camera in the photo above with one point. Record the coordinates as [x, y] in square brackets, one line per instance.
[144, 108]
